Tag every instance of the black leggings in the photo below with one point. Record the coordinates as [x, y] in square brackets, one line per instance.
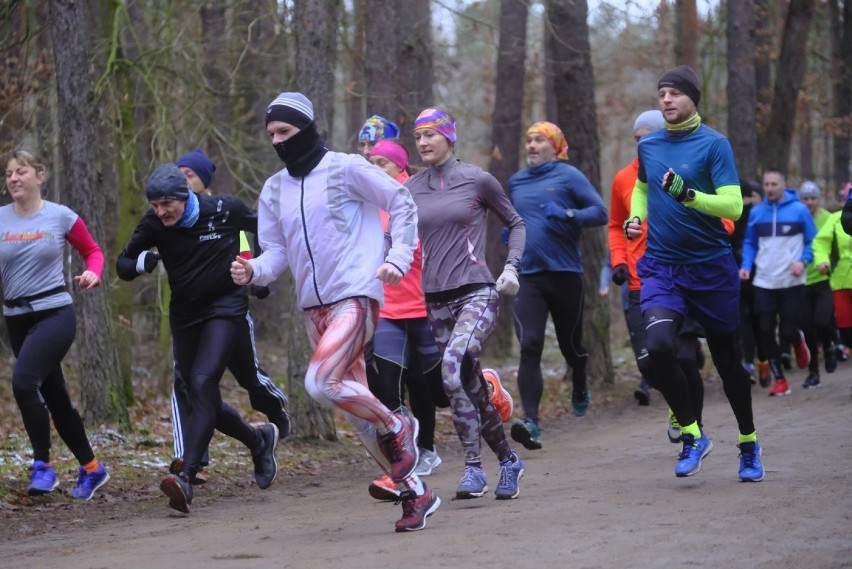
[201, 353]
[561, 296]
[818, 320]
[403, 354]
[264, 395]
[661, 328]
[39, 341]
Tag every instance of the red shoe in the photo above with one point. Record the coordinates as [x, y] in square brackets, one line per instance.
[500, 398]
[401, 448]
[415, 510]
[383, 489]
[179, 491]
[803, 354]
[780, 388]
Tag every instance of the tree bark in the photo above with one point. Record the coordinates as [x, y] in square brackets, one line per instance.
[776, 143]
[506, 143]
[841, 64]
[97, 366]
[415, 67]
[742, 87]
[568, 46]
[315, 58]
[214, 42]
[380, 57]
[688, 32]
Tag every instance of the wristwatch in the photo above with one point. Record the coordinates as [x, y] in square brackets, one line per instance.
[690, 194]
[514, 262]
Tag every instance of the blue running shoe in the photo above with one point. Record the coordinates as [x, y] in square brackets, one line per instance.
[88, 483]
[42, 480]
[751, 470]
[511, 472]
[474, 483]
[581, 404]
[689, 460]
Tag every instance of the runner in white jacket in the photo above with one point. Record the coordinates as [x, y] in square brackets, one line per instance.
[320, 217]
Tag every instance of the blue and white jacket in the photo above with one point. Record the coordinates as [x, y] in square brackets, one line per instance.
[778, 234]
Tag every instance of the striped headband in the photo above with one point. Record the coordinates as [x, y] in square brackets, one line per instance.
[438, 120]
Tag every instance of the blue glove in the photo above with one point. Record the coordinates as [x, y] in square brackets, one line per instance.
[555, 211]
[504, 236]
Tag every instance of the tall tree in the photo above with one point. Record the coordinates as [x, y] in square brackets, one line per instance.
[742, 87]
[315, 56]
[574, 82]
[414, 70]
[506, 142]
[687, 33]
[775, 144]
[841, 64]
[764, 50]
[102, 390]
[214, 44]
[380, 57]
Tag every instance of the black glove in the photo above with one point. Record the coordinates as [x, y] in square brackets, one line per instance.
[674, 186]
[259, 292]
[620, 274]
[150, 261]
[627, 222]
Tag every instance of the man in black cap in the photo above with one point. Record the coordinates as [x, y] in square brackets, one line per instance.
[687, 183]
[197, 237]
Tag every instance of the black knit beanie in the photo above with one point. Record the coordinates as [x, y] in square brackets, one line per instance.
[685, 80]
[166, 182]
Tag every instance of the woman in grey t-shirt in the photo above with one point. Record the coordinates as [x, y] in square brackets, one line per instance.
[41, 321]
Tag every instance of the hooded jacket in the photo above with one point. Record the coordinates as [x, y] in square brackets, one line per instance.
[778, 234]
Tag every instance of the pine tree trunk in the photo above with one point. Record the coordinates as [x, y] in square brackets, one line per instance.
[742, 87]
[97, 362]
[574, 83]
[315, 57]
[790, 72]
[506, 142]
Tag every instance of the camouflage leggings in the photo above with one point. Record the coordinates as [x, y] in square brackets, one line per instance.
[461, 326]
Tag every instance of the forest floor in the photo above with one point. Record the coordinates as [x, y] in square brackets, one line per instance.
[601, 493]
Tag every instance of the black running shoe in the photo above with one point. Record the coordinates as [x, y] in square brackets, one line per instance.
[265, 465]
[179, 491]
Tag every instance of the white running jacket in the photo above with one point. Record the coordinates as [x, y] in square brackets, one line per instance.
[326, 227]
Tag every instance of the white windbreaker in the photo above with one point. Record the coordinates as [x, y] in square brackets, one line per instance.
[326, 227]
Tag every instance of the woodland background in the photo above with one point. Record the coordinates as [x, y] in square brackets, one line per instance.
[105, 90]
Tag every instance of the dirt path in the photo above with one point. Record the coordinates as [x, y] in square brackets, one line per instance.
[602, 493]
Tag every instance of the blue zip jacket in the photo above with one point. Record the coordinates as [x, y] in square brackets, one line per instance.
[554, 245]
[778, 234]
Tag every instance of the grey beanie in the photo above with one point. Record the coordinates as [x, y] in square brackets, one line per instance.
[293, 108]
[651, 120]
[809, 189]
[166, 182]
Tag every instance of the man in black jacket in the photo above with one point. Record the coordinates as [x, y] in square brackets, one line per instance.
[197, 237]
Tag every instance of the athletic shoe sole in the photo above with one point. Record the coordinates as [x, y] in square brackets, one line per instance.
[382, 494]
[471, 495]
[43, 491]
[177, 499]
